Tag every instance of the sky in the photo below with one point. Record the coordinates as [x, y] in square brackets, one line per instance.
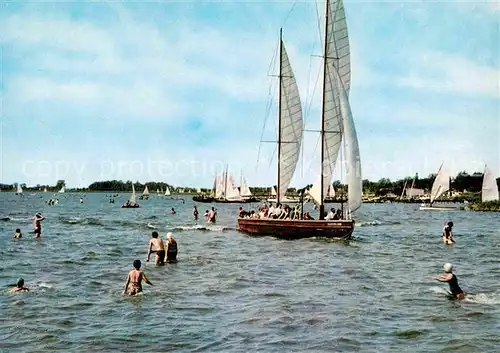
[175, 90]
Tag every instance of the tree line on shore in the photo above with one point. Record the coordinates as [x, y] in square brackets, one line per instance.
[472, 183]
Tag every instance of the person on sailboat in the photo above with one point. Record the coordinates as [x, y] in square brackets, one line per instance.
[37, 225]
[195, 213]
[452, 280]
[156, 245]
[448, 234]
[331, 215]
[135, 277]
[171, 249]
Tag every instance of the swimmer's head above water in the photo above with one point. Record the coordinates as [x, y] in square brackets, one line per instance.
[154, 234]
[448, 268]
[137, 264]
[169, 235]
[450, 224]
[20, 282]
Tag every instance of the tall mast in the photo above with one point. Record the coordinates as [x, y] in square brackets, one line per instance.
[225, 183]
[278, 191]
[323, 135]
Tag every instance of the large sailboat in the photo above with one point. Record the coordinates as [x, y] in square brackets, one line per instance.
[337, 127]
[439, 187]
[489, 191]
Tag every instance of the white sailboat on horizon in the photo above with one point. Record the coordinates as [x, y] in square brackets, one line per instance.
[489, 190]
[440, 186]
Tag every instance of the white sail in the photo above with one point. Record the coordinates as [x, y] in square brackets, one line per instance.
[19, 189]
[63, 190]
[244, 189]
[146, 191]
[441, 184]
[219, 188]
[161, 190]
[291, 124]
[273, 191]
[331, 191]
[44, 189]
[167, 191]
[352, 157]
[133, 199]
[337, 56]
[489, 190]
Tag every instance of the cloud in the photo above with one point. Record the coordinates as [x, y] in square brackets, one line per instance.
[448, 73]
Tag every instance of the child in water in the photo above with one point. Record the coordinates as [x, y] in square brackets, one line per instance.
[448, 234]
[452, 280]
[18, 234]
[19, 287]
[134, 280]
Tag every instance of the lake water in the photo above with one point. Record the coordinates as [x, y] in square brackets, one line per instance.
[233, 293]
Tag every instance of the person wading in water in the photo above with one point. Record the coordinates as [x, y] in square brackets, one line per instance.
[452, 280]
[448, 234]
[135, 277]
[171, 249]
[156, 246]
[37, 225]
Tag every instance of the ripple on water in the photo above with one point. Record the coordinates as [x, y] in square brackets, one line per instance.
[233, 293]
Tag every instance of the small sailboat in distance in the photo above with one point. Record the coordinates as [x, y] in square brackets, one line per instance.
[19, 190]
[489, 190]
[440, 185]
[145, 194]
[132, 202]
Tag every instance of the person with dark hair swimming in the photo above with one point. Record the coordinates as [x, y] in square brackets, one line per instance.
[448, 234]
[19, 287]
[195, 213]
[452, 280]
[135, 277]
[156, 246]
[18, 234]
[171, 249]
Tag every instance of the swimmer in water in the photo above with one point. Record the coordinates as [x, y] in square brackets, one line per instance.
[172, 211]
[135, 277]
[37, 225]
[18, 234]
[448, 234]
[171, 249]
[195, 213]
[212, 215]
[19, 287]
[156, 246]
[452, 280]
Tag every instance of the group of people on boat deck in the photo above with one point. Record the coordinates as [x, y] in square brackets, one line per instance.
[285, 212]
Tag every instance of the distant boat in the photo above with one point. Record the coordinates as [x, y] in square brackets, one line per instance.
[167, 191]
[489, 191]
[63, 190]
[439, 187]
[145, 194]
[19, 190]
[132, 202]
[337, 126]
[44, 189]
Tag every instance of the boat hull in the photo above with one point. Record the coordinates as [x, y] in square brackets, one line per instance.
[427, 207]
[296, 229]
[135, 206]
[284, 200]
[203, 199]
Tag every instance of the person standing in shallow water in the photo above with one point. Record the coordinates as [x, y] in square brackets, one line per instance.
[135, 277]
[156, 246]
[452, 280]
[37, 224]
[195, 213]
[448, 234]
[171, 248]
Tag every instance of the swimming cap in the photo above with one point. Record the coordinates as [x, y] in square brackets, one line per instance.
[137, 264]
[20, 282]
[448, 267]
[450, 224]
[169, 235]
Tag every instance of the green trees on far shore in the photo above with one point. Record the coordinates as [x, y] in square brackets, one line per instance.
[472, 183]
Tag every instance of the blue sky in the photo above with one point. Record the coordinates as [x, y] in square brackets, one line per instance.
[174, 90]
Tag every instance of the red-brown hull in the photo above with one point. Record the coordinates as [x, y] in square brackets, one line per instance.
[296, 229]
